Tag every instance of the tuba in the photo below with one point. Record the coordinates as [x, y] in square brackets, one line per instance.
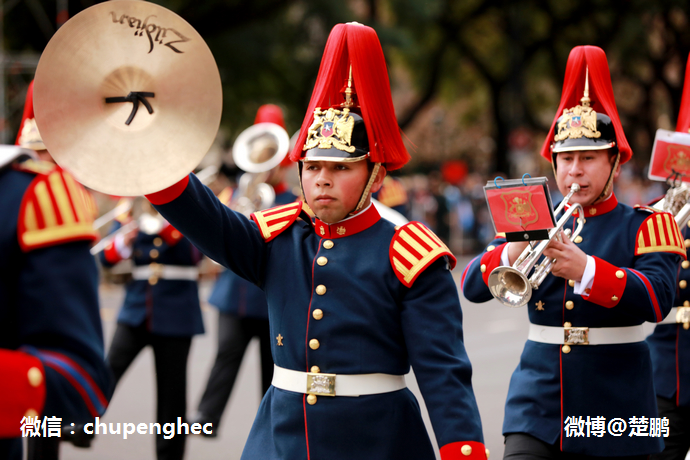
[511, 285]
[257, 150]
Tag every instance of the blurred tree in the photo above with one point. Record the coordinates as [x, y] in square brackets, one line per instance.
[460, 70]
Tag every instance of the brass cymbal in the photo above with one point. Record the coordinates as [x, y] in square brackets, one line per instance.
[110, 64]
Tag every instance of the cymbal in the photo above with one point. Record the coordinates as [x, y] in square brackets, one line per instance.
[127, 97]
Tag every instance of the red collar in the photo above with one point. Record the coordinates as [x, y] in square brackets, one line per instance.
[600, 208]
[349, 226]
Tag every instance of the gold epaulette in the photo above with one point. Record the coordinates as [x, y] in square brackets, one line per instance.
[273, 221]
[659, 233]
[55, 209]
[414, 247]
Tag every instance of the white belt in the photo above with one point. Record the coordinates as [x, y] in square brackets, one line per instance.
[168, 272]
[585, 335]
[336, 385]
[677, 315]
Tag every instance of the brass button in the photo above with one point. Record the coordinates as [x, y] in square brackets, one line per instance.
[685, 264]
[154, 253]
[314, 344]
[317, 314]
[686, 303]
[483, 268]
[689, 223]
[322, 261]
[566, 349]
[571, 283]
[567, 324]
[614, 299]
[569, 305]
[487, 454]
[315, 369]
[35, 377]
[311, 399]
[620, 274]
[175, 234]
[466, 449]
[320, 289]
[153, 280]
[578, 239]
[687, 243]
[31, 413]
[158, 242]
[328, 244]
[683, 284]
[490, 248]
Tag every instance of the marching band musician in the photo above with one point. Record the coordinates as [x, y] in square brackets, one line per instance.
[51, 341]
[353, 300]
[242, 308]
[161, 309]
[670, 342]
[585, 360]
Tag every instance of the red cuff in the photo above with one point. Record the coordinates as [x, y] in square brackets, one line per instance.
[464, 450]
[171, 235]
[490, 260]
[170, 193]
[22, 390]
[608, 285]
[111, 254]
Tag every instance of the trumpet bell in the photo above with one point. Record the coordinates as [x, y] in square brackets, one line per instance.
[510, 286]
[260, 148]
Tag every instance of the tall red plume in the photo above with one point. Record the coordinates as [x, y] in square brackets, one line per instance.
[28, 110]
[600, 93]
[358, 45]
[270, 113]
[683, 124]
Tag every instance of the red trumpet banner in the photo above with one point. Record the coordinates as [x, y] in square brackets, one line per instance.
[670, 154]
[519, 209]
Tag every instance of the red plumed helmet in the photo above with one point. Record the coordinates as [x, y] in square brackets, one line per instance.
[28, 135]
[683, 124]
[353, 47]
[587, 117]
[270, 113]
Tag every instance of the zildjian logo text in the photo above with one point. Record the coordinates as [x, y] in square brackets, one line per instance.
[155, 33]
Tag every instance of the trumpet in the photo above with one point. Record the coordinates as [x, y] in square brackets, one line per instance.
[511, 285]
[677, 202]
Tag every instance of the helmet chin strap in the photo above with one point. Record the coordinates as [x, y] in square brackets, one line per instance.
[365, 193]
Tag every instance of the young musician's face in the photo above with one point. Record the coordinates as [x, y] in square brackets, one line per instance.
[589, 169]
[333, 189]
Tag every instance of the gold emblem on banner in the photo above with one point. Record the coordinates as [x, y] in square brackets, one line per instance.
[331, 128]
[519, 208]
[678, 159]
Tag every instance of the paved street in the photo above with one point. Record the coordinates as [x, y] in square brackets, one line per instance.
[494, 336]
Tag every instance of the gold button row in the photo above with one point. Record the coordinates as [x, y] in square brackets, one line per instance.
[328, 244]
[322, 261]
[320, 289]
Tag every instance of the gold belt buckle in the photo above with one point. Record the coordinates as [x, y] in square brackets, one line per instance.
[576, 335]
[683, 316]
[320, 384]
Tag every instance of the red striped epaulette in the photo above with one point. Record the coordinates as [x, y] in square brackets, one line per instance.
[392, 193]
[414, 247]
[55, 209]
[35, 166]
[273, 221]
[659, 233]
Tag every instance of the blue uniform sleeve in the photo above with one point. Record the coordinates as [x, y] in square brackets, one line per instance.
[473, 280]
[220, 233]
[59, 323]
[432, 324]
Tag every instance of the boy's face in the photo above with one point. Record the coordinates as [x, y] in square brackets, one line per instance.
[588, 168]
[333, 189]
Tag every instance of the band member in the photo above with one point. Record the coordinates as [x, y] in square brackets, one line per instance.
[242, 308]
[585, 362]
[352, 300]
[51, 341]
[670, 342]
[161, 309]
